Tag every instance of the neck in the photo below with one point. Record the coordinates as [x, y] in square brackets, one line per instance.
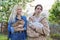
[36, 15]
[18, 15]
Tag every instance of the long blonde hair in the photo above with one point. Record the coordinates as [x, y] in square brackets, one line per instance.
[14, 13]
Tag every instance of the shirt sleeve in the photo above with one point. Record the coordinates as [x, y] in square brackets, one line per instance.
[10, 28]
[46, 29]
[25, 25]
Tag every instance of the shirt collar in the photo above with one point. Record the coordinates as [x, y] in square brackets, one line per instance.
[17, 18]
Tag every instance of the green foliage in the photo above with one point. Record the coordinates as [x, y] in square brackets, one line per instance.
[55, 35]
[6, 7]
[55, 12]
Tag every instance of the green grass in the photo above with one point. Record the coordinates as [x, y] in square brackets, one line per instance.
[3, 37]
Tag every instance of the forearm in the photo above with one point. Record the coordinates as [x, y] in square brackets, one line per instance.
[46, 29]
[31, 32]
[39, 30]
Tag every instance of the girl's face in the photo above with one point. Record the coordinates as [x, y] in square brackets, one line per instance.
[38, 10]
[19, 10]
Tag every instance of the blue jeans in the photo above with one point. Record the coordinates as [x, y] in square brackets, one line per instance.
[18, 36]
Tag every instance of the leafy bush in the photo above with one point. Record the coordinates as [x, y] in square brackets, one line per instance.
[55, 36]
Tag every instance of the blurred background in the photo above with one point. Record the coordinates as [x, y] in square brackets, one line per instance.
[51, 9]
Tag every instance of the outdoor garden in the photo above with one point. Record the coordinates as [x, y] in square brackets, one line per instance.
[54, 17]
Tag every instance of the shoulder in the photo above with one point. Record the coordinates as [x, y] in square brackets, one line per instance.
[24, 18]
[31, 17]
[43, 15]
[9, 20]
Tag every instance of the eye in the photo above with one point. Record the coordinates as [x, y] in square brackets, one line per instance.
[19, 9]
[39, 8]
